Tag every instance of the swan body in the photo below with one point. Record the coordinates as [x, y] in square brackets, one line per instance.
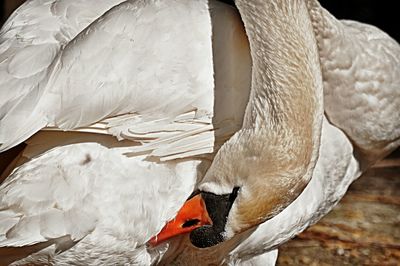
[36, 201]
[53, 183]
[361, 69]
[122, 193]
[115, 217]
[55, 100]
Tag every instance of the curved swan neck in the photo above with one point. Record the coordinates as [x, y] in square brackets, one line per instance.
[282, 125]
[273, 156]
[287, 83]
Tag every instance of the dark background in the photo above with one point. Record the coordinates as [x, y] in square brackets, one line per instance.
[381, 13]
[6, 7]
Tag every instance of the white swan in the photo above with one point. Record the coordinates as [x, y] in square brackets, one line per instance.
[40, 210]
[102, 157]
[360, 65]
[63, 182]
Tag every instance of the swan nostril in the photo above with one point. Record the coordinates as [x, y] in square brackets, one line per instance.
[190, 223]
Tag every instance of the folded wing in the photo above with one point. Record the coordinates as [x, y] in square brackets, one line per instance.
[153, 68]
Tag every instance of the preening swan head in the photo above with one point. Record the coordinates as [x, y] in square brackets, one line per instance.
[262, 168]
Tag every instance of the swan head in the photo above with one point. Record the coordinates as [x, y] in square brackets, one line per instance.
[249, 182]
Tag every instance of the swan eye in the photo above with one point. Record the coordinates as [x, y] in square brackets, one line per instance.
[234, 194]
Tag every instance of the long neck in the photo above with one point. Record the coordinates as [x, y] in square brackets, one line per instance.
[285, 110]
[286, 82]
[273, 156]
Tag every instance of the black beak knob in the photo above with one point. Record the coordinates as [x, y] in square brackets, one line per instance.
[218, 207]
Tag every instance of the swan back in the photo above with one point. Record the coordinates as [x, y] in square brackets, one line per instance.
[361, 70]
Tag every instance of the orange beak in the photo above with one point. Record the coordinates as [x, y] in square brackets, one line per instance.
[192, 215]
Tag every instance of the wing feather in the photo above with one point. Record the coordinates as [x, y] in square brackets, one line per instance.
[43, 199]
[148, 71]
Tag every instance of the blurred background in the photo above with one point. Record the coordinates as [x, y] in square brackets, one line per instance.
[364, 228]
[7, 7]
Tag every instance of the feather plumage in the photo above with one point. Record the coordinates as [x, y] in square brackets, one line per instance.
[159, 102]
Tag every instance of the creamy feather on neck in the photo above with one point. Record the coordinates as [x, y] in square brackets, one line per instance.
[272, 157]
[286, 82]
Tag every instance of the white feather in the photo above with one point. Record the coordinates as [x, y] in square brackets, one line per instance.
[158, 100]
[153, 77]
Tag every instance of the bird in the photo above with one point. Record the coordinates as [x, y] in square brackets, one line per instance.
[87, 150]
[58, 106]
[360, 68]
[51, 234]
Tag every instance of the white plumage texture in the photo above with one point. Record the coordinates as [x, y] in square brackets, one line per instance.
[127, 61]
[148, 90]
[111, 68]
[105, 191]
[361, 68]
